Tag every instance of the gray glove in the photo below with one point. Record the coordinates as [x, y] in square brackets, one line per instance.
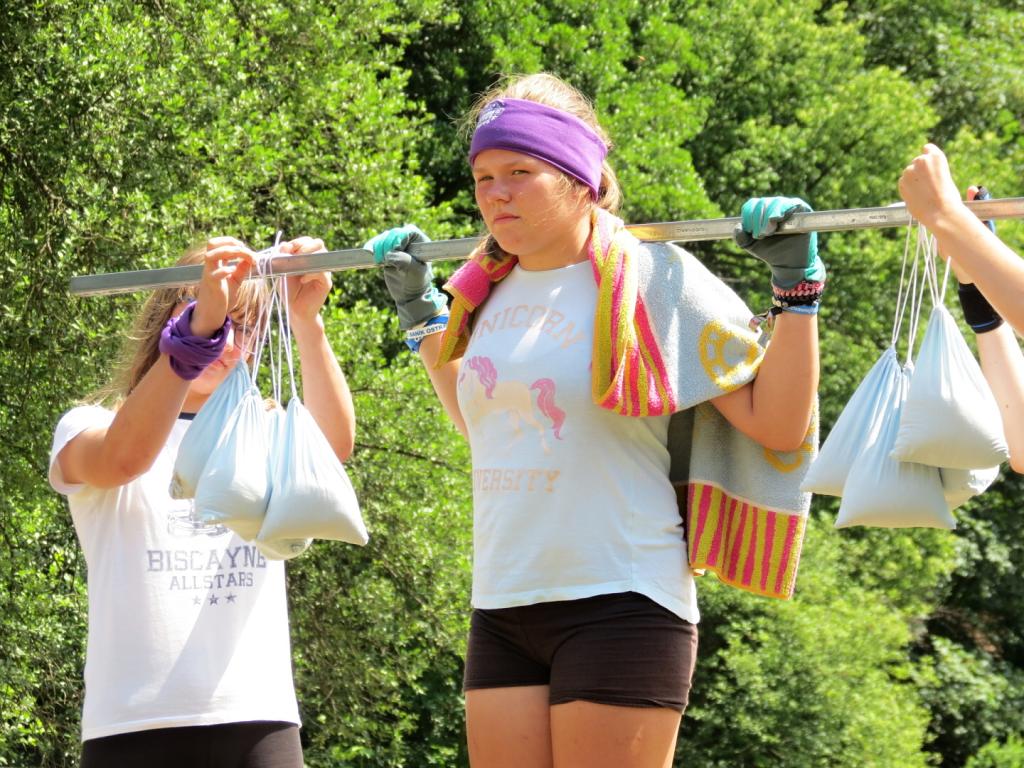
[409, 280]
[792, 258]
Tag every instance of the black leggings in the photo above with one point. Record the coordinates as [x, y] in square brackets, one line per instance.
[230, 745]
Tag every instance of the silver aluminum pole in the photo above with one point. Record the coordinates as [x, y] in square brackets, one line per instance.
[444, 250]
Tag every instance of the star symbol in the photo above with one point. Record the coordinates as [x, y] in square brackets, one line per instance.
[213, 599]
[197, 600]
[231, 598]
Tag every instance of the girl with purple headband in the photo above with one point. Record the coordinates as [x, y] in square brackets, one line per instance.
[609, 386]
[188, 659]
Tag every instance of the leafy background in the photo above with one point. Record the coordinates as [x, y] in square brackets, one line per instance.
[130, 130]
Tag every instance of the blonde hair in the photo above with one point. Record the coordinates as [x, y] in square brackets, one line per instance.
[552, 91]
[141, 349]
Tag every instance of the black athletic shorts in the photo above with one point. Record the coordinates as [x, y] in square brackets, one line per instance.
[255, 744]
[622, 649]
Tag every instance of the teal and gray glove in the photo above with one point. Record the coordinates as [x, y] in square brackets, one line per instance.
[792, 258]
[798, 274]
[409, 280]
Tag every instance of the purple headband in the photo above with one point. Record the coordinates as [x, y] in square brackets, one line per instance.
[543, 132]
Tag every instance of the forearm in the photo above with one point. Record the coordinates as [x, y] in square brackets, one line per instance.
[445, 380]
[990, 264]
[325, 391]
[1003, 366]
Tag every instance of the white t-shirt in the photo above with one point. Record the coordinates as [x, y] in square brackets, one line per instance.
[569, 500]
[188, 624]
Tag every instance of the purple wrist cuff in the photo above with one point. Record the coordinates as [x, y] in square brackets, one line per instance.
[190, 355]
[549, 134]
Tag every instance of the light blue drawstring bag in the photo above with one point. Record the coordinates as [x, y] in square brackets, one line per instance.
[879, 490]
[857, 426]
[279, 549]
[283, 549]
[205, 430]
[883, 492]
[234, 488]
[959, 485]
[951, 418]
[313, 497]
[860, 422]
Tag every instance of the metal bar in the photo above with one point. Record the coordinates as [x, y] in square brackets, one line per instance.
[443, 250]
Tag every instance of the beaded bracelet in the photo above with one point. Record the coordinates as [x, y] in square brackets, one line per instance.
[190, 355]
[804, 298]
[415, 336]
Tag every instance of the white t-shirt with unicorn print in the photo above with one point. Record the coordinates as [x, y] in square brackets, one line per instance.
[569, 500]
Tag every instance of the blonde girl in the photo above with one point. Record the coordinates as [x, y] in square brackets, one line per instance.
[583, 636]
[188, 657]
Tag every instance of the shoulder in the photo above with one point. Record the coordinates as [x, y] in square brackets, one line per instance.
[73, 423]
[669, 261]
[662, 252]
[81, 418]
[670, 256]
[666, 273]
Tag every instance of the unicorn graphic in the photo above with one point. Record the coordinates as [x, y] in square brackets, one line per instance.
[488, 395]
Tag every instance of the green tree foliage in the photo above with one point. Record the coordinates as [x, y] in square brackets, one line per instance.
[131, 130]
[1008, 754]
[974, 697]
[965, 54]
